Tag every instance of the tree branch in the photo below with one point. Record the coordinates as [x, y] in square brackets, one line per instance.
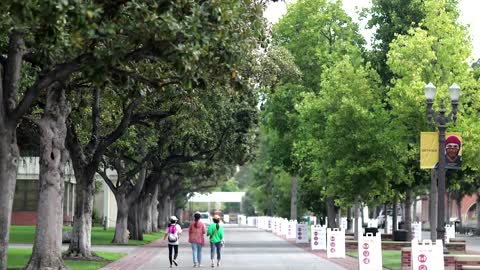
[137, 77]
[107, 180]
[16, 50]
[60, 73]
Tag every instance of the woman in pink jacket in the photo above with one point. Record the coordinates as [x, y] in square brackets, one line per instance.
[196, 233]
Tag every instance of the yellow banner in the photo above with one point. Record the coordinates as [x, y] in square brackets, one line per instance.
[429, 150]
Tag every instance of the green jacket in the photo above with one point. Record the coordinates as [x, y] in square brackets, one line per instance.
[217, 236]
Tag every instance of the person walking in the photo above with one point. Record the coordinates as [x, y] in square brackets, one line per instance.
[173, 234]
[215, 232]
[196, 237]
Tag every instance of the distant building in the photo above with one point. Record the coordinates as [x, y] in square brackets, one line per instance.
[25, 202]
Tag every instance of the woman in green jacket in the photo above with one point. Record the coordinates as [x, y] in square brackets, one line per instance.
[215, 232]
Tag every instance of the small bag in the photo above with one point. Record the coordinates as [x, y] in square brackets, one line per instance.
[172, 238]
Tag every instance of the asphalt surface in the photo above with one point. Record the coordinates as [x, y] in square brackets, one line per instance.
[247, 248]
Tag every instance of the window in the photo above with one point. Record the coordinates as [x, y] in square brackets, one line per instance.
[26, 195]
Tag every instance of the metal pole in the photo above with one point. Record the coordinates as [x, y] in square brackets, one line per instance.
[441, 174]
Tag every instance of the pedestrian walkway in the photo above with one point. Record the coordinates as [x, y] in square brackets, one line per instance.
[245, 248]
[139, 256]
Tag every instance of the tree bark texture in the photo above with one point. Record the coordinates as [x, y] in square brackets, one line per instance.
[293, 199]
[121, 229]
[358, 222]
[478, 213]
[80, 246]
[9, 153]
[48, 235]
[135, 221]
[9, 156]
[162, 211]
[408, 214]
[154, 210]
[331, 214]
[394, 213]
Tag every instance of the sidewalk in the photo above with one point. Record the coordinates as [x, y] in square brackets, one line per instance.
[138, 257]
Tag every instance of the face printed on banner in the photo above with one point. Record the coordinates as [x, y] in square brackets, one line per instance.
[452, 148]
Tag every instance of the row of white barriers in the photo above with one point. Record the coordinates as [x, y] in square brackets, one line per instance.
[425, 254]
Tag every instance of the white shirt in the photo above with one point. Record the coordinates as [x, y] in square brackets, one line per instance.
[176, 234]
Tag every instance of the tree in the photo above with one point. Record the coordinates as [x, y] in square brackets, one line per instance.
[436, 51]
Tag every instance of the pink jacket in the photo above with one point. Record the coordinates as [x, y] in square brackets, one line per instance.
[196, 234]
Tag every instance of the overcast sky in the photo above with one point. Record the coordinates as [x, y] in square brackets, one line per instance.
[469, 10]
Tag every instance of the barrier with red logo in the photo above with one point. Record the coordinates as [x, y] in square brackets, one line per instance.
[427, 255]
[318, 238]
[370, 252]
[335, 243]
[301, 233]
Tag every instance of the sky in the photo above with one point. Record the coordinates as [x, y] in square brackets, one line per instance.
[469, 10]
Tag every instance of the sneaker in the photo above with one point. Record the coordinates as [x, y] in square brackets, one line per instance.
[218, 264]
[213, 264]
[175, 262]
[194, 265]
[199, 265]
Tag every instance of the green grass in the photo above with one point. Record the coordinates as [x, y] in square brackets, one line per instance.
[18, 259]
[26, 234]
[391, 259]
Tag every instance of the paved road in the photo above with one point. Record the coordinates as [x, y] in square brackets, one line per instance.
[248, 248]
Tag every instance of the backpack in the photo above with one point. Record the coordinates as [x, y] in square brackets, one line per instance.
[172, 236]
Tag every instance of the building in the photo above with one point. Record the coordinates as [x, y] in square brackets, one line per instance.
[25, 202]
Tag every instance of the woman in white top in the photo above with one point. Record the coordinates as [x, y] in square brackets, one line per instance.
[172, 234]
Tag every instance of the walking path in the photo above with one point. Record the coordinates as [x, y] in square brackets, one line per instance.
[246, 248]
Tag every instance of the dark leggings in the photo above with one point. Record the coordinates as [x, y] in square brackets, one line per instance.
[218, 247]
[175, 249]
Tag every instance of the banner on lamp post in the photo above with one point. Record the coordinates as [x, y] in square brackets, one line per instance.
[452, 149]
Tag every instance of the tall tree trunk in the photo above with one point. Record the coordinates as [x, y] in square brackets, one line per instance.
[121, 229]
[81, 245]
[48, 235]
[9, 156]
[385, 218]
[433, 205]
[349, 219]
[331, 214]
[414, 217]
[135, 221]
[394, 213]
[293, 199]
[147, 215]
[408, 214]
[358, 222]
[459, 210]
[162, 214]
[154, 210]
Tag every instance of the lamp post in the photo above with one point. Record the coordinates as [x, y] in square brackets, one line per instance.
[441, 121]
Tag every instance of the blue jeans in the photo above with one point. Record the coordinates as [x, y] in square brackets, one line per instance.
[197, 253]
[218, 247]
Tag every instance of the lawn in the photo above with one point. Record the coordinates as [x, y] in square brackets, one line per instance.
[390, 258]
[26, 234]
[18, 259]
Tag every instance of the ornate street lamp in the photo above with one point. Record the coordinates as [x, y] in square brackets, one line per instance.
[441, 121]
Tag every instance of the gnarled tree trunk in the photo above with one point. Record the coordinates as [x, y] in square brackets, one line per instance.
[48, 235]
[81, 245]
[135, 221]
[121, 226]
[154, 210]
[9, 156]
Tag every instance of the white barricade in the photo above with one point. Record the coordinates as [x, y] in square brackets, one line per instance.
[336, 243]
[302, 233]
[292, 226]
[370, 252]
[427, 255]
[417, 231]
[343, 224]
[319, 237]
[284, 227]
[449, 233]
